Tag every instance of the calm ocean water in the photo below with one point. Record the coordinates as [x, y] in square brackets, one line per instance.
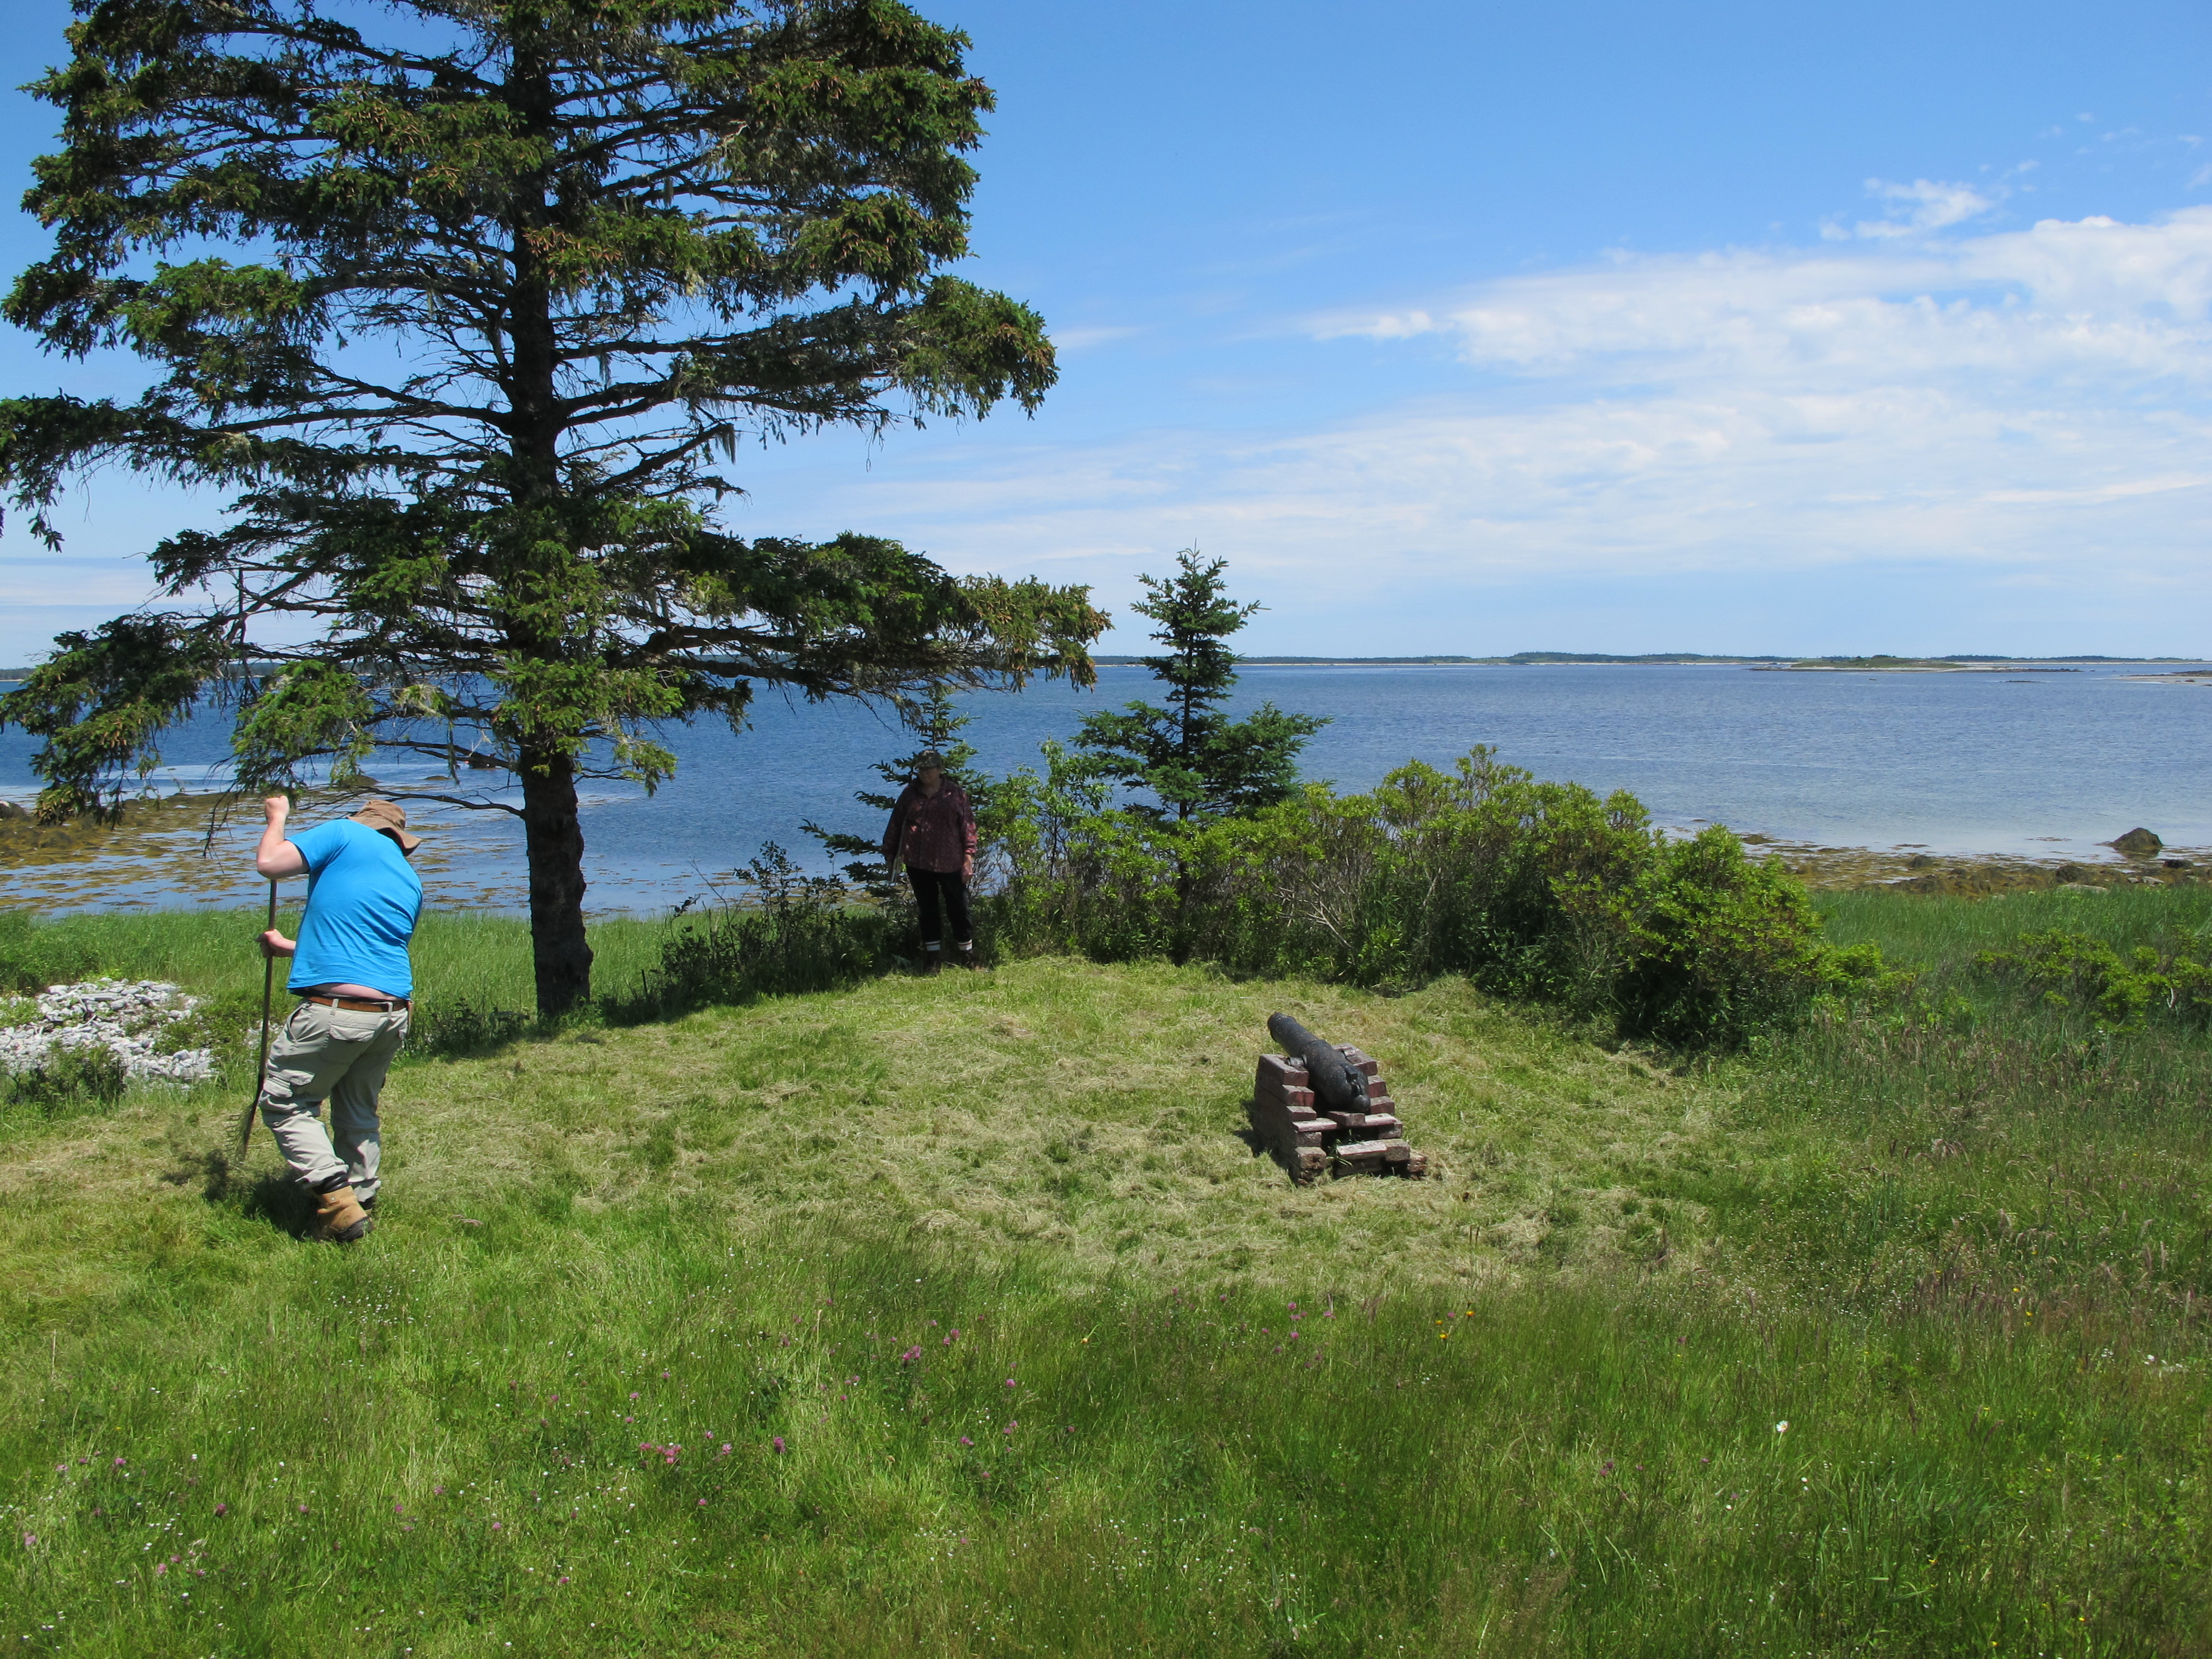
[2043, 763]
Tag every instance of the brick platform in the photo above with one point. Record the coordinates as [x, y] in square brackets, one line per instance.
[1310, 1141]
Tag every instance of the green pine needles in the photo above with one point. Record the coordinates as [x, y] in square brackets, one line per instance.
[461, 307]
[1194, 758]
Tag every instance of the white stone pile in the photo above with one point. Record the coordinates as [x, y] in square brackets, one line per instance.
[125, 1017]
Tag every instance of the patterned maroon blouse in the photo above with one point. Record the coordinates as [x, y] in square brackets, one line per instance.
[932, 832]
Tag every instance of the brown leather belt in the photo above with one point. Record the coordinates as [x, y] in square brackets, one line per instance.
[361, 1004]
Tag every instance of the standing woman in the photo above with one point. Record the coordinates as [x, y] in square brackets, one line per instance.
[932, 830]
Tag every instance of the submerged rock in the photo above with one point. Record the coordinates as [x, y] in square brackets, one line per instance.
[2137, 843]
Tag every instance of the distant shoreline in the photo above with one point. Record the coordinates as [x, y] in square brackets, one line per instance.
[1874, 665]
[1772, 662]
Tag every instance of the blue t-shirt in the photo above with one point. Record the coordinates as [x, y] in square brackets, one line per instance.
[363, 900]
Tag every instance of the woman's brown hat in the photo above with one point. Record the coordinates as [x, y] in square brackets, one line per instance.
[392, 818]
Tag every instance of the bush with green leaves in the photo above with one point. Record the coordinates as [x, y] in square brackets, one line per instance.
[796, 932]
[1533, 890]
[2082, 972]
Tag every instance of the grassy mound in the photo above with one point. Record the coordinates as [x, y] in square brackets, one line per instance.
[1015, 1343]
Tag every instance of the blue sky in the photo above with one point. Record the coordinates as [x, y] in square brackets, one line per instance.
[1469, 328]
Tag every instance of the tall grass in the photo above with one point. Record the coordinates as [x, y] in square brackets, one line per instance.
[1981, 1143]
[635, 1433]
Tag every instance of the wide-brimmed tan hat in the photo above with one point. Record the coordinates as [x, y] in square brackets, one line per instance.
[392, 818]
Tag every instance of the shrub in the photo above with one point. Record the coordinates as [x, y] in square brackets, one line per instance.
[1533, 890]
[797, 933]
[2077, 970]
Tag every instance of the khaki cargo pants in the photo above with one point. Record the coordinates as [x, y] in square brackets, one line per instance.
[338, 1056]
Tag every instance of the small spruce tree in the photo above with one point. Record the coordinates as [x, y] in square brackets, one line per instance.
[1198, 762]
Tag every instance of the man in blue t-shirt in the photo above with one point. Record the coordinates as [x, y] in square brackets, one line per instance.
[350, 972]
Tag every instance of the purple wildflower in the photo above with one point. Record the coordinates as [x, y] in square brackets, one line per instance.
[222, 1509]
[1010, 1428]
[118, 1462]
[779, 1445]
[965, 1440]
[910, 1355]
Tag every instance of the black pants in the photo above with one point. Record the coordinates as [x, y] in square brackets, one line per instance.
[948, 888]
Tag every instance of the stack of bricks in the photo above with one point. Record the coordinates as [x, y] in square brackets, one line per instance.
[1311, 1139]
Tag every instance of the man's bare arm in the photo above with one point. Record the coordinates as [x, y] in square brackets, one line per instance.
[276, 857]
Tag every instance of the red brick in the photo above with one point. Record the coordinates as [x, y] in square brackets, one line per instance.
[1298, 1102]
[1361, 1154]
[1281, 1074]
[1360, 1062]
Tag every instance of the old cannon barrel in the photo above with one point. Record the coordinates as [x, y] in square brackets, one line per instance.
[1336, 1082]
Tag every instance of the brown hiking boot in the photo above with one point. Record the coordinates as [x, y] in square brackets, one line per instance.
[932, 961]
[339, 1217]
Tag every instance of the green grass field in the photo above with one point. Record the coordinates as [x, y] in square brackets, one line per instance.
[957, 1316]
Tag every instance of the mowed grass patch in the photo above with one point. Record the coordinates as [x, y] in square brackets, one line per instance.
[1093, 1114]
[642, 1431]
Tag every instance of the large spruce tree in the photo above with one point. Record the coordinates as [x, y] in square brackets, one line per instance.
[460, 303]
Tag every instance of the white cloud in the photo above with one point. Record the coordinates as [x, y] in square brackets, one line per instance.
[1083, 339]
[2032, 403]
[2093, 299]
[1927, 206]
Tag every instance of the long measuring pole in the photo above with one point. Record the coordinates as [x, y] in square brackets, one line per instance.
[261, 1068]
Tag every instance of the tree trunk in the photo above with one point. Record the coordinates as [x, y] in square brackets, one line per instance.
[549, 828]
[555, 840]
